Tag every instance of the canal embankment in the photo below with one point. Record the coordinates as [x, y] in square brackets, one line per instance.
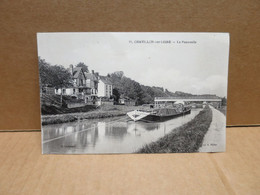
[223, 109]
[187, 138]
[215, 138]
[103, 111]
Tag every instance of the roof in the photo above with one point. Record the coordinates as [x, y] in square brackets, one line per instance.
[76, 72]
[90, 76]
[105, 80]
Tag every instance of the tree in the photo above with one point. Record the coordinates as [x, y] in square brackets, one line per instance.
[116, 94]
[55, 76]
[61, 78]
[83, 66]
[134, 90]
[119, 74]
[224, 101]
[45, 73]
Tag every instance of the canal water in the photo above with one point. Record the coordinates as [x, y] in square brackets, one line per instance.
[110, 135]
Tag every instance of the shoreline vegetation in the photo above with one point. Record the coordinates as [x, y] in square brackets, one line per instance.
[103, 111]
[185, 139]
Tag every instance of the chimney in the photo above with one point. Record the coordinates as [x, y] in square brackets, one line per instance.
[92, 71]
[71, 69]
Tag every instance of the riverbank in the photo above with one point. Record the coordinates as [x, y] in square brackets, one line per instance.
[54, 110]
[104, 111]
[187, 138]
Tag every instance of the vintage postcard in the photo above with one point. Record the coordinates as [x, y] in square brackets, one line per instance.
[133, 92]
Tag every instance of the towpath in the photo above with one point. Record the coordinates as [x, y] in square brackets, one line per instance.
[215, 138]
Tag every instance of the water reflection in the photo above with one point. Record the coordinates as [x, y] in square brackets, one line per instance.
[111, 135]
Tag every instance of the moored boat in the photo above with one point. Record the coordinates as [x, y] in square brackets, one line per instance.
[159, 114]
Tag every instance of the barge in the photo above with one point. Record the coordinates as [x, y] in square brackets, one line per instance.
[160, 114]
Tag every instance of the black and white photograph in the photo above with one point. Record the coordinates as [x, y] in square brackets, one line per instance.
[133, 92]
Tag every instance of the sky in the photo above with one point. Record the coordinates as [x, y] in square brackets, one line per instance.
[194, 63]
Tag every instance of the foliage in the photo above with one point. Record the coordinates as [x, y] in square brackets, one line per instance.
[55, 76]
[116, 95]
[45, 73]
[129, 88]
[83, 66]
[62, 78]
[224, 101]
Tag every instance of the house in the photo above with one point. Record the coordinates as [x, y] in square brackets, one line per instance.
[87, 86]
[105, 87]
[92, 83]
[79, 88]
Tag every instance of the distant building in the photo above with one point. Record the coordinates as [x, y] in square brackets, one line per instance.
[126, 101]
[105, 87]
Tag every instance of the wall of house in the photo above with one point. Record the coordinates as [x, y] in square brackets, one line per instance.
[104, 90]
[94, 88]
[58, 91]
[81, 81]
[68, 91]
[108, 90]
[90, 83]
[101, 89]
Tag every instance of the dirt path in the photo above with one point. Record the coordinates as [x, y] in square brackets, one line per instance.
[215, 138]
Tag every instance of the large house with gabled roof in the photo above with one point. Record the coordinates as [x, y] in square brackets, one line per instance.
[79, 88]
[87, 86]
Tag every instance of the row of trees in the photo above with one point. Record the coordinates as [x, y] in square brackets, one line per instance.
[124, 86]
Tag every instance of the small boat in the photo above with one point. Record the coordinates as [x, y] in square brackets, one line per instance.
[159, 114]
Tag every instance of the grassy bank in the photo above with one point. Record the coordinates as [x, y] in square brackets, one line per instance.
[187, 138]
[223, 109]
[101, 112]
[53, 110]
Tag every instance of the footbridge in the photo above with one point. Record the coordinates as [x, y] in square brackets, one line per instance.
[188, 99]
